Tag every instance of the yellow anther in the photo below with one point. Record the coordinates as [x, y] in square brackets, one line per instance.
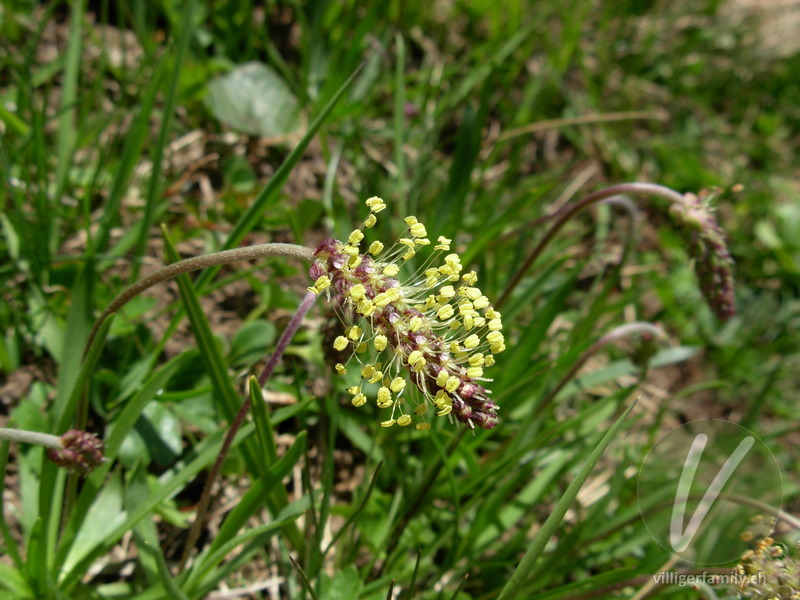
[422, 409]
[415, 324]
[470, 278]
[388, 423]
[477, 360]
[355, 237]
[423, 241]
[365, 307]
[397, 384]
[492, 313]
[474, 372]
[406, 242]
[469, 322]
[472, 293]
[375, 248]
[376, 376]
[404, 420]
[452, 383]
[322, 283]
[445, 312]
[380, 342]
[418, 230]
[384, 397]
[359, 400]
[497, 348]
[340, 343]
[357, 292]
[367, 372]
[340, 369]
[409, 254]
[466, 308]
[431, 282]
[441, 378]
[361, 348]
[447, 291]
[356, 389]
[472, 342]
[430, 301]
[495, 325]
[417, 360]
[370, 221]
[354, 261]
[444, 243]
[489, 360]
[479, 321]
[495, 337]
[376, 204]
[454, 347]
[391, 270]
[411, 220]
[481, 302]
[354, 332]
[422, 426]
[432, 272]
[444, 403]
[350, 250]
[453, 261]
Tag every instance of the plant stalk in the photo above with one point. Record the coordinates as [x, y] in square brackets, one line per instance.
[238, 421]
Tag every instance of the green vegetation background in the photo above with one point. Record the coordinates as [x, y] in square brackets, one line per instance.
[481, 118]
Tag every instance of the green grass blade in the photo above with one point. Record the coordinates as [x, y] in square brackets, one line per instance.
[399, 124]
[525, 567]
[65, 409]
[163, 571]
[252, 501]
[168, 110]
[134, 143]
[66, 135]
[226, 397]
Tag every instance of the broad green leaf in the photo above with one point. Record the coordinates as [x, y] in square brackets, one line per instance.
[253, 99]
[105, 514]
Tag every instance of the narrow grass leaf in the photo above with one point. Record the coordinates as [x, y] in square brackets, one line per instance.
[163, 571]
[11, 547]
[253, 500]
[525, 567]
[354, 516]
[168, 112]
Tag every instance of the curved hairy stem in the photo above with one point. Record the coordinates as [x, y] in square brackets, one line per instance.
[195, 264]
[570, 211]
[31, 437]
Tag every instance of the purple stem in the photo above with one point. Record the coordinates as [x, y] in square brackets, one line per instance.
[236, 424]
[573, 209]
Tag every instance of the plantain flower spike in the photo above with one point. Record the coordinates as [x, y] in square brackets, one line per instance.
[706, 245]
[422, 342]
